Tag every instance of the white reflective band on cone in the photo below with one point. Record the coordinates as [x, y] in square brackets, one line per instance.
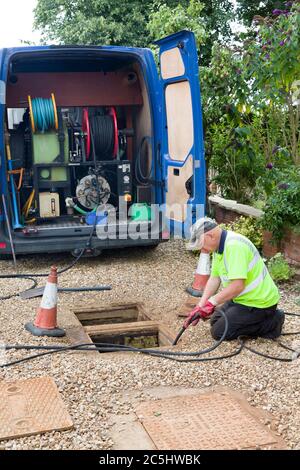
[203, 266]
[49, 299]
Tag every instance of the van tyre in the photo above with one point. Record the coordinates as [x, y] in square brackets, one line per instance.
[89, 253]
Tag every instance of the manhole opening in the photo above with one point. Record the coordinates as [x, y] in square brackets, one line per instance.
[147, 334]
[123, 325]
[140, 340]
[111, 315]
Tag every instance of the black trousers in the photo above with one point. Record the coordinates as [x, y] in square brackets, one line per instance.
[248, 321]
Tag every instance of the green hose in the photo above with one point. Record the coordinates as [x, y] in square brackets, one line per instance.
[43, 113]
[81, 211]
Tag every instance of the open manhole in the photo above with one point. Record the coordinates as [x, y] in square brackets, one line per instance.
[123, 325]
[125, 313]
[147, 334]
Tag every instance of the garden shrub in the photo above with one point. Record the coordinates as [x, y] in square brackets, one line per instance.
[283, 205]
[279, 268]
[249, 227]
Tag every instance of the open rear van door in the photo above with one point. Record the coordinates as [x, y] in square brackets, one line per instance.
[183, 161]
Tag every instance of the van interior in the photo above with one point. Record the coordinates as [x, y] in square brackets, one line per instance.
[78, 136]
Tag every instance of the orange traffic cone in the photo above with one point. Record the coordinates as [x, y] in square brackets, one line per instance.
[201, 275]
[45, 323]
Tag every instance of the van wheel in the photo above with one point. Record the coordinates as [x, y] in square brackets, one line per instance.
[89, 253]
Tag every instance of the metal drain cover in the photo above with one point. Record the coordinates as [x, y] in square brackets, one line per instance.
[31, 406]
[207, 421]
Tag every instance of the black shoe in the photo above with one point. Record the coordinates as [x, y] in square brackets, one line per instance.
[276, 332]
[281, 319]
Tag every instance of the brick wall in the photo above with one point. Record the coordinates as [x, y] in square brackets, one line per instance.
[291, 246]
[225, 211]
[269, 249]
[224, 216]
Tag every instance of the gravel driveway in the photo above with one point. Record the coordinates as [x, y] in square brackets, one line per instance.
[92, 386]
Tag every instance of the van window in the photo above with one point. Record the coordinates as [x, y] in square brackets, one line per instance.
[171, 64]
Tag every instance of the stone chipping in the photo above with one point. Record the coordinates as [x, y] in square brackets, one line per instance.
[93, 385]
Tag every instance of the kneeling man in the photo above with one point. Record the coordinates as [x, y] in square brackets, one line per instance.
[249, 296]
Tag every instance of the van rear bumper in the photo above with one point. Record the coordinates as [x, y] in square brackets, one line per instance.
[54, 243]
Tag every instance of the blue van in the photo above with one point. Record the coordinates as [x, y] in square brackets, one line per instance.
[90, 133]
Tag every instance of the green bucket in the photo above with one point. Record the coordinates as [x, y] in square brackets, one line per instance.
[140, 212]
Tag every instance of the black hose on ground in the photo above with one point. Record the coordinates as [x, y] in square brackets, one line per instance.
[267, 356]
[10, 296]
[104, 347]
[171, 355]
[67, 268]
[32, 275]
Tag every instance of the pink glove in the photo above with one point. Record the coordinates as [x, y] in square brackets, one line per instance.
[188, 321]
[207, 310]
[203, 312]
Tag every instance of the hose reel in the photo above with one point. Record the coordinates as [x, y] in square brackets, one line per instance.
[43, 114]
[87, 131]
[104, 129]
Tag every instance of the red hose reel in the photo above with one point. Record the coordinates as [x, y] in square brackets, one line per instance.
[86, 129]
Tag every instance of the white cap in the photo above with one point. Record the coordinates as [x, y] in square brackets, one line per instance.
[203, 225]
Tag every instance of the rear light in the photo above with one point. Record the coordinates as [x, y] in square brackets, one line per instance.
[2, 246]
[128, 197]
